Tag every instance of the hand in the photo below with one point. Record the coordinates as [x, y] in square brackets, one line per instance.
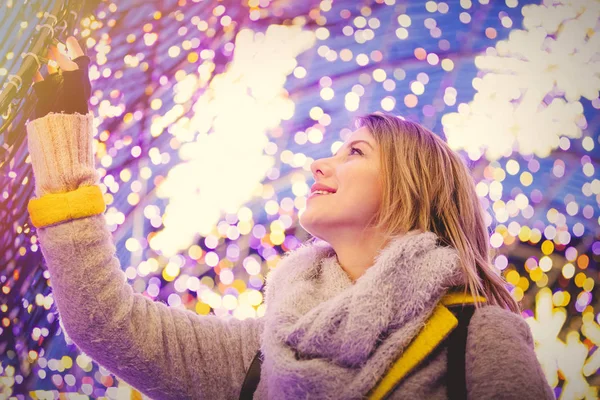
[67, 89]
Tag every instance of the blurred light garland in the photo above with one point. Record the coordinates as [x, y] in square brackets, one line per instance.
[208, 117]
[530, 97]
[229, 124]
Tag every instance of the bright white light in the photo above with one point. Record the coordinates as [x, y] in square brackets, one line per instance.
[529, 97]
[224, 160]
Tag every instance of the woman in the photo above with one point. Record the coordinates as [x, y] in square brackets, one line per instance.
[400, 229]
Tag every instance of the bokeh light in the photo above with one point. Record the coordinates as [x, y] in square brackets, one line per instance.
[208, 117]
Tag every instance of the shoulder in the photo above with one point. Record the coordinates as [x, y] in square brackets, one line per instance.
[500, 359]
[495, 323]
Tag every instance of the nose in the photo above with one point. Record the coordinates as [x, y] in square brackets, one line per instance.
[321, 167]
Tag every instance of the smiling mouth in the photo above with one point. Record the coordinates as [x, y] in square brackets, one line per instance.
[315, 194]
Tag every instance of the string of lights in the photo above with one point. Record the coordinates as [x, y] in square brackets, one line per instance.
[209, 114]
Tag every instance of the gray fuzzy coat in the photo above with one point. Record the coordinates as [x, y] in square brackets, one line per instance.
[169, 353]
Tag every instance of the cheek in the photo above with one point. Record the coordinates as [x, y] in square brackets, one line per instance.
[374, 200]
[368, 198]
[360, 197]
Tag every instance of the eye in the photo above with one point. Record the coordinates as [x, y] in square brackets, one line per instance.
[355, 149]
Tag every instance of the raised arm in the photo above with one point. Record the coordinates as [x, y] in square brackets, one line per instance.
[163, 352]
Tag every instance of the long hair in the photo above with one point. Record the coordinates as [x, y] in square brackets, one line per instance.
[428, 187]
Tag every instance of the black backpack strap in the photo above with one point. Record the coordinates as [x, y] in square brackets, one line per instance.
[457, 347]
[252, 377]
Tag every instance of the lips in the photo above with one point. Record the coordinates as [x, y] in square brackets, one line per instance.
[321, 186]
[314, 194]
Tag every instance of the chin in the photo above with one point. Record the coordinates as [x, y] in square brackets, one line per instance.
[311, 226]
[307, 227]
[320, 230]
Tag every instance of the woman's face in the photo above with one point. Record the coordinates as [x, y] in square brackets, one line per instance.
[353, 173]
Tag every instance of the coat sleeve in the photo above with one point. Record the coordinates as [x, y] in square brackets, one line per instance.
[500, 359]
[164, 352]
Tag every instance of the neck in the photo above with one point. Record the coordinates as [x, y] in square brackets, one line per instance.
[356, 252]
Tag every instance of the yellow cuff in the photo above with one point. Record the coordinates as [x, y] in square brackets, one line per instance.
[54, 208]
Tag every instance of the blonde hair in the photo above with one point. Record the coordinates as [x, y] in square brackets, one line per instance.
[428, 187]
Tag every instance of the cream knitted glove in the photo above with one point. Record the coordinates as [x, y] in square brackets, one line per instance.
[60, 146]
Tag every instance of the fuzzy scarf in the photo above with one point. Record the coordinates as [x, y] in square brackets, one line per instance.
[327, 338]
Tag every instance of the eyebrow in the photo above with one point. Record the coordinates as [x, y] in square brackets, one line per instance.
[354, 142]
